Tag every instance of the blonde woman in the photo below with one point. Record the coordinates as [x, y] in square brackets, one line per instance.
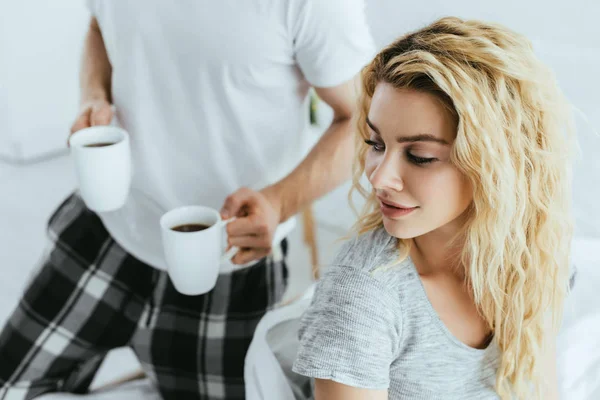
[453, 288]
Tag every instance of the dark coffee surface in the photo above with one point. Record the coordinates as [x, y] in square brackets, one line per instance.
[190, 227]
[105, 144]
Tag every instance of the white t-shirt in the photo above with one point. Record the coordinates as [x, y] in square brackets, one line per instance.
[213, 94]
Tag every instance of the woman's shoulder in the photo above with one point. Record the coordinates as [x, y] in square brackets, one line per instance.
[368, 251]
[376, 255]
[350, 306]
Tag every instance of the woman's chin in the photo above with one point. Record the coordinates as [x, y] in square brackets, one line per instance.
[399, 229]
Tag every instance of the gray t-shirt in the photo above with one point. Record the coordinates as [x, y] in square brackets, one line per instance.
[375, 328]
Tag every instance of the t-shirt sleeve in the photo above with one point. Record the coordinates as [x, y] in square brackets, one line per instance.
[332, 41]
[351, 331]
[91, 6]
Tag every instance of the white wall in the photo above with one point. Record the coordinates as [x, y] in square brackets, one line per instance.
[565, 33]
[40, 44]
[40, 47]
[561, 21]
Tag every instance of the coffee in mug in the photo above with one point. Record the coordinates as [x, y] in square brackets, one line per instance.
[99, 144]
[190, 227]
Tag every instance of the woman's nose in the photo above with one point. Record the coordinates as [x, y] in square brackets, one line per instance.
[387, 174]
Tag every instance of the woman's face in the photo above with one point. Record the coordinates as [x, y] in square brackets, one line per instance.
[408, 164]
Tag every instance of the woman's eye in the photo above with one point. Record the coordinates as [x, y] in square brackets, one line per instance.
[420, 160]
[378, 147]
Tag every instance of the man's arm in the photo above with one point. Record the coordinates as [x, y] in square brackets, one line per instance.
[330, 390]
[96, 71]
[329, 162]
[326, 166]
[95, 82]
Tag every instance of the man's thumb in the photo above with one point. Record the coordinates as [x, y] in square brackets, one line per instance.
[234, 202]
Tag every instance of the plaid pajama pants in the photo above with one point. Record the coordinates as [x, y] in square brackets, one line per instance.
[91, 296]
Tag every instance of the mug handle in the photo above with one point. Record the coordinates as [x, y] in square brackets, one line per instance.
[228, 255]
[281, 232]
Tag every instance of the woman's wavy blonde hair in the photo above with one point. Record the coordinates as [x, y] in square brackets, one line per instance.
[513, 144]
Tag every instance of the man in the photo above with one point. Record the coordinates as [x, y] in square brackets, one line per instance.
[213, 96]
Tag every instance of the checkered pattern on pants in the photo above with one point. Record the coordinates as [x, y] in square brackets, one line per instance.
[91, 296]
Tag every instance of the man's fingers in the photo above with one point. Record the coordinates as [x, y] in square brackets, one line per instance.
[94, 114]
[246, 255]
[83, 121]
[249, 242]
[253, 225]
[101, 114]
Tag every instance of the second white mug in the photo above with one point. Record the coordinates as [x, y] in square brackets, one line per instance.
[103, 166]
[193, 256]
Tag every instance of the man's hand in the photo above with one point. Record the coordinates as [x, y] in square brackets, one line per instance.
[258, 215]
[93, 113]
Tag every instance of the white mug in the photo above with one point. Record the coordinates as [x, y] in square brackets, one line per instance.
[103, 173]
[194, 258]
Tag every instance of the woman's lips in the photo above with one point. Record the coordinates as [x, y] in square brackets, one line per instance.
[394, 210]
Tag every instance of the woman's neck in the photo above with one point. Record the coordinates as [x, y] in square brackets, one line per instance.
[438, 252]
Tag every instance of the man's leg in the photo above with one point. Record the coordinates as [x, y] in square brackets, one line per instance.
[85, 300]
[196, 345]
